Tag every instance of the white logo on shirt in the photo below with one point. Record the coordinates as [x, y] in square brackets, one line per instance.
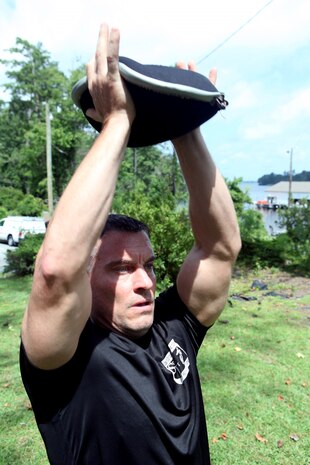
[177, 362]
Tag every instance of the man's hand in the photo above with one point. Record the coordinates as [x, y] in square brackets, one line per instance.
[105, 84]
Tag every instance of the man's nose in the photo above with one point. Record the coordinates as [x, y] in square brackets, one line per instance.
[142, 279]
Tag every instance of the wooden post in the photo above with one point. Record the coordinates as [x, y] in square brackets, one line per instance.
[290, 178]
[49, 160]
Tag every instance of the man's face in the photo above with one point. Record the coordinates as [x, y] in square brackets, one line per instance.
[123, 283]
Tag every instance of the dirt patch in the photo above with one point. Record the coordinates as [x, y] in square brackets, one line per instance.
[290, 285]
[299, 286]
[279, 284]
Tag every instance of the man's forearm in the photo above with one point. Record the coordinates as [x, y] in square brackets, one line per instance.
[212, 212]
[85, 204]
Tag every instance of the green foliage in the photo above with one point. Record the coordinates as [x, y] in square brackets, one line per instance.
[250, 221]
[170, 230]
[290, 250]
[10, 198]
[272, 178]
[261, 253]
[33, 80]
[21, 260]
[157, 169]
[240, 197]
[252, 226]
[3, 212]
[151, 188]
[14, 202]
[296, 220]
[30, 206]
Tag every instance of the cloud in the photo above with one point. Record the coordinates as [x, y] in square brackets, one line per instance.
[244, 95]
[295, 107]
[298, 106]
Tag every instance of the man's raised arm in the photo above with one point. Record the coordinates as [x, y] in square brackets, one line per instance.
[204, 278]
[60, 300]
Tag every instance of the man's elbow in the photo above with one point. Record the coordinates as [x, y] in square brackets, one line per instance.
[229, 249]
[235, 247]
[53, 268]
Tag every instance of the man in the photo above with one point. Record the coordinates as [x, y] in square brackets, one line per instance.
[111, 373]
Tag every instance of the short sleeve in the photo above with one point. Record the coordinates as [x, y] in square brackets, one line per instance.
[169, 305]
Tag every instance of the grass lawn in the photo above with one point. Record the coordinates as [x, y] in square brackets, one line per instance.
[254, 367]
[255, 372]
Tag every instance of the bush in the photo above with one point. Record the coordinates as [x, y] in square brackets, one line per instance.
[296, 220]
[170, 231]
[30, 206]
[3, 212]
[263, 253]
[14, 202]
[252, 227]
[21, 261]
[9, 198]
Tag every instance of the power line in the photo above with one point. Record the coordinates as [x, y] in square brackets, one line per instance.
[235, 32]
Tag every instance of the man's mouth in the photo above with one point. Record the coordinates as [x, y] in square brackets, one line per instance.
[144, 304]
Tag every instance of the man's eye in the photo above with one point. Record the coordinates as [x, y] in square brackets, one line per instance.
[123, 269]
[149, 266]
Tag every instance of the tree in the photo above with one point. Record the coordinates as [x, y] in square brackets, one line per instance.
[252, 226]
[240, 197]
[151, 187]
[170, 229]
[158, 169]
[296, 220]
[30, 206]
[10, 197]
[272, 178]
[33, 80]
[250, 221]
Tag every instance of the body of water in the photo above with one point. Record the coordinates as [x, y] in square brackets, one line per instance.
[270, 217]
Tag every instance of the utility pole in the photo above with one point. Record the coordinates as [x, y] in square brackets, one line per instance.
[49, 160]
[290, 177]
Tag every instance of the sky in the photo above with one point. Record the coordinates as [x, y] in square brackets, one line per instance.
[261, 49]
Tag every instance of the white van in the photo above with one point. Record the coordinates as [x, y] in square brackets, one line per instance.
[14, 228]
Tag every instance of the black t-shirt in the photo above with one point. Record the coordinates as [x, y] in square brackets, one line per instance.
[125, 402]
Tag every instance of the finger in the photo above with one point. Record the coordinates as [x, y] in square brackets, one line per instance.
[192, 66]
[113, 52]
[102, 49]
[213, 75]
[90, 70]
[180, 65]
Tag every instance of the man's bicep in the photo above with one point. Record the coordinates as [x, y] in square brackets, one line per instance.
[203, 284]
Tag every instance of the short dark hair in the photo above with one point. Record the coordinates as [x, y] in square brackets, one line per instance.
[116, 222]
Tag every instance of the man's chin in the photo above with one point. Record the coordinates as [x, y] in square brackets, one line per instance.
[138, 329]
